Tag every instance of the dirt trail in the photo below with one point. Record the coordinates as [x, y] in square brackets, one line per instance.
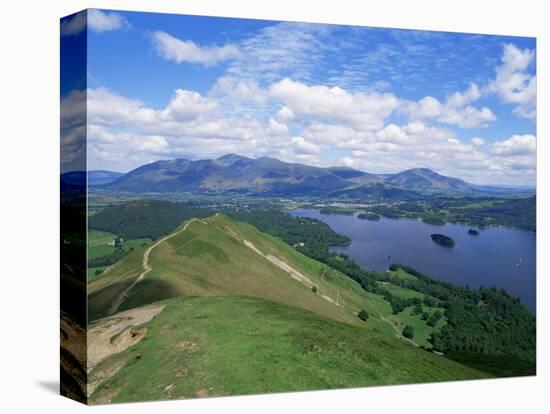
[146, 268]
[114, 334]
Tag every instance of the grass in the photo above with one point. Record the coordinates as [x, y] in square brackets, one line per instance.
[103, 290]
[401, 291]
[422, 331]
[210, 259]
[401, 274]
[233, 345]
[98, 243]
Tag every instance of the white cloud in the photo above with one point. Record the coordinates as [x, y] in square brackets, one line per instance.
[172, 48]
[188, 105]
[73, 131]
[283, 49]
[468, 117]
[348, 161]
[301, 124]
[301, 146]
[515, 145]
[513, 83]
[240, 90]
[97, 20]
[478, 142]
[73, 25]
[277, 128]
[285, 114]
[457, 110]
[335, 104]
[154, 143]
[462, 99]
[101, 22]
[392, 134]
[108, 108]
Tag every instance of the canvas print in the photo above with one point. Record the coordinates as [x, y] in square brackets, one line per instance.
[253, 206]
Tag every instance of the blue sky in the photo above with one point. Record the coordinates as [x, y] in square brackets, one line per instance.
[166, 86]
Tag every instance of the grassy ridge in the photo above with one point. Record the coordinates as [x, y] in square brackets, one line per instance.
[215, 346]
[210, 259]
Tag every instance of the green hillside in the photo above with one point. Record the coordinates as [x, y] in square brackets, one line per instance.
[214, 346]
[219, 256]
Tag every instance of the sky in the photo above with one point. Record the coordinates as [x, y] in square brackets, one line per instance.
[161, 86]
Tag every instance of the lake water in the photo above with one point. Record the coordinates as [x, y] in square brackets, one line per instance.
[501, 257]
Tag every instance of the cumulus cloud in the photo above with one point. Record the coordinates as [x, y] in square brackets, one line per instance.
[240, 90]
[367, 110]
[172, 48]
[302, 146]
[73, 131]
[515, 145]
[125, 132]
[457, 110]
[478, 142]
[301, 124]
[73, 25]
[513, 83]
[97, 20]
[100, 21]
[188, 105]
[109, 108]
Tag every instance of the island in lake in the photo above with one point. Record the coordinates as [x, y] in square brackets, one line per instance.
[443, 240]
[434, 220]
[368, 216]
[473, 232]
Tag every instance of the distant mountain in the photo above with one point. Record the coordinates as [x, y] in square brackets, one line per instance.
[235, 174]
[73, 182]
[101, 177]
[77, 179]
[424, 180]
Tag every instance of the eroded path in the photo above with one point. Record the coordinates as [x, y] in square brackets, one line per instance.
[112, 335]
[146, 268]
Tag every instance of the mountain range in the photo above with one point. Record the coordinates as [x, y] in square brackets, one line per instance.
[265, 176]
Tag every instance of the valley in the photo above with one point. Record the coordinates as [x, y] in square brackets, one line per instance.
[232, 272]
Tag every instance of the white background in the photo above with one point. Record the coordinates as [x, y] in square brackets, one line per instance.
[29, 160]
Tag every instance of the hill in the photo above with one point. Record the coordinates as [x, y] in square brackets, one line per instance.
[101, 177]
[233, 310]
[424, 180]
[219, 256]
[235, 174]
[215, 346]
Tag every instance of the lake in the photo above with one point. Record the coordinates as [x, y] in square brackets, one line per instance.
[501, 257]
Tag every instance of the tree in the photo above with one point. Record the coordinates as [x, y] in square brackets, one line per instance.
[436, 316]
[363, 315]
[408, 332]
[314, 289]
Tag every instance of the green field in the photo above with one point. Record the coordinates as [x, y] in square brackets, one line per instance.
[98, 244]
[401, 291]
[215, 346]
[422, 331]
[401, 274]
